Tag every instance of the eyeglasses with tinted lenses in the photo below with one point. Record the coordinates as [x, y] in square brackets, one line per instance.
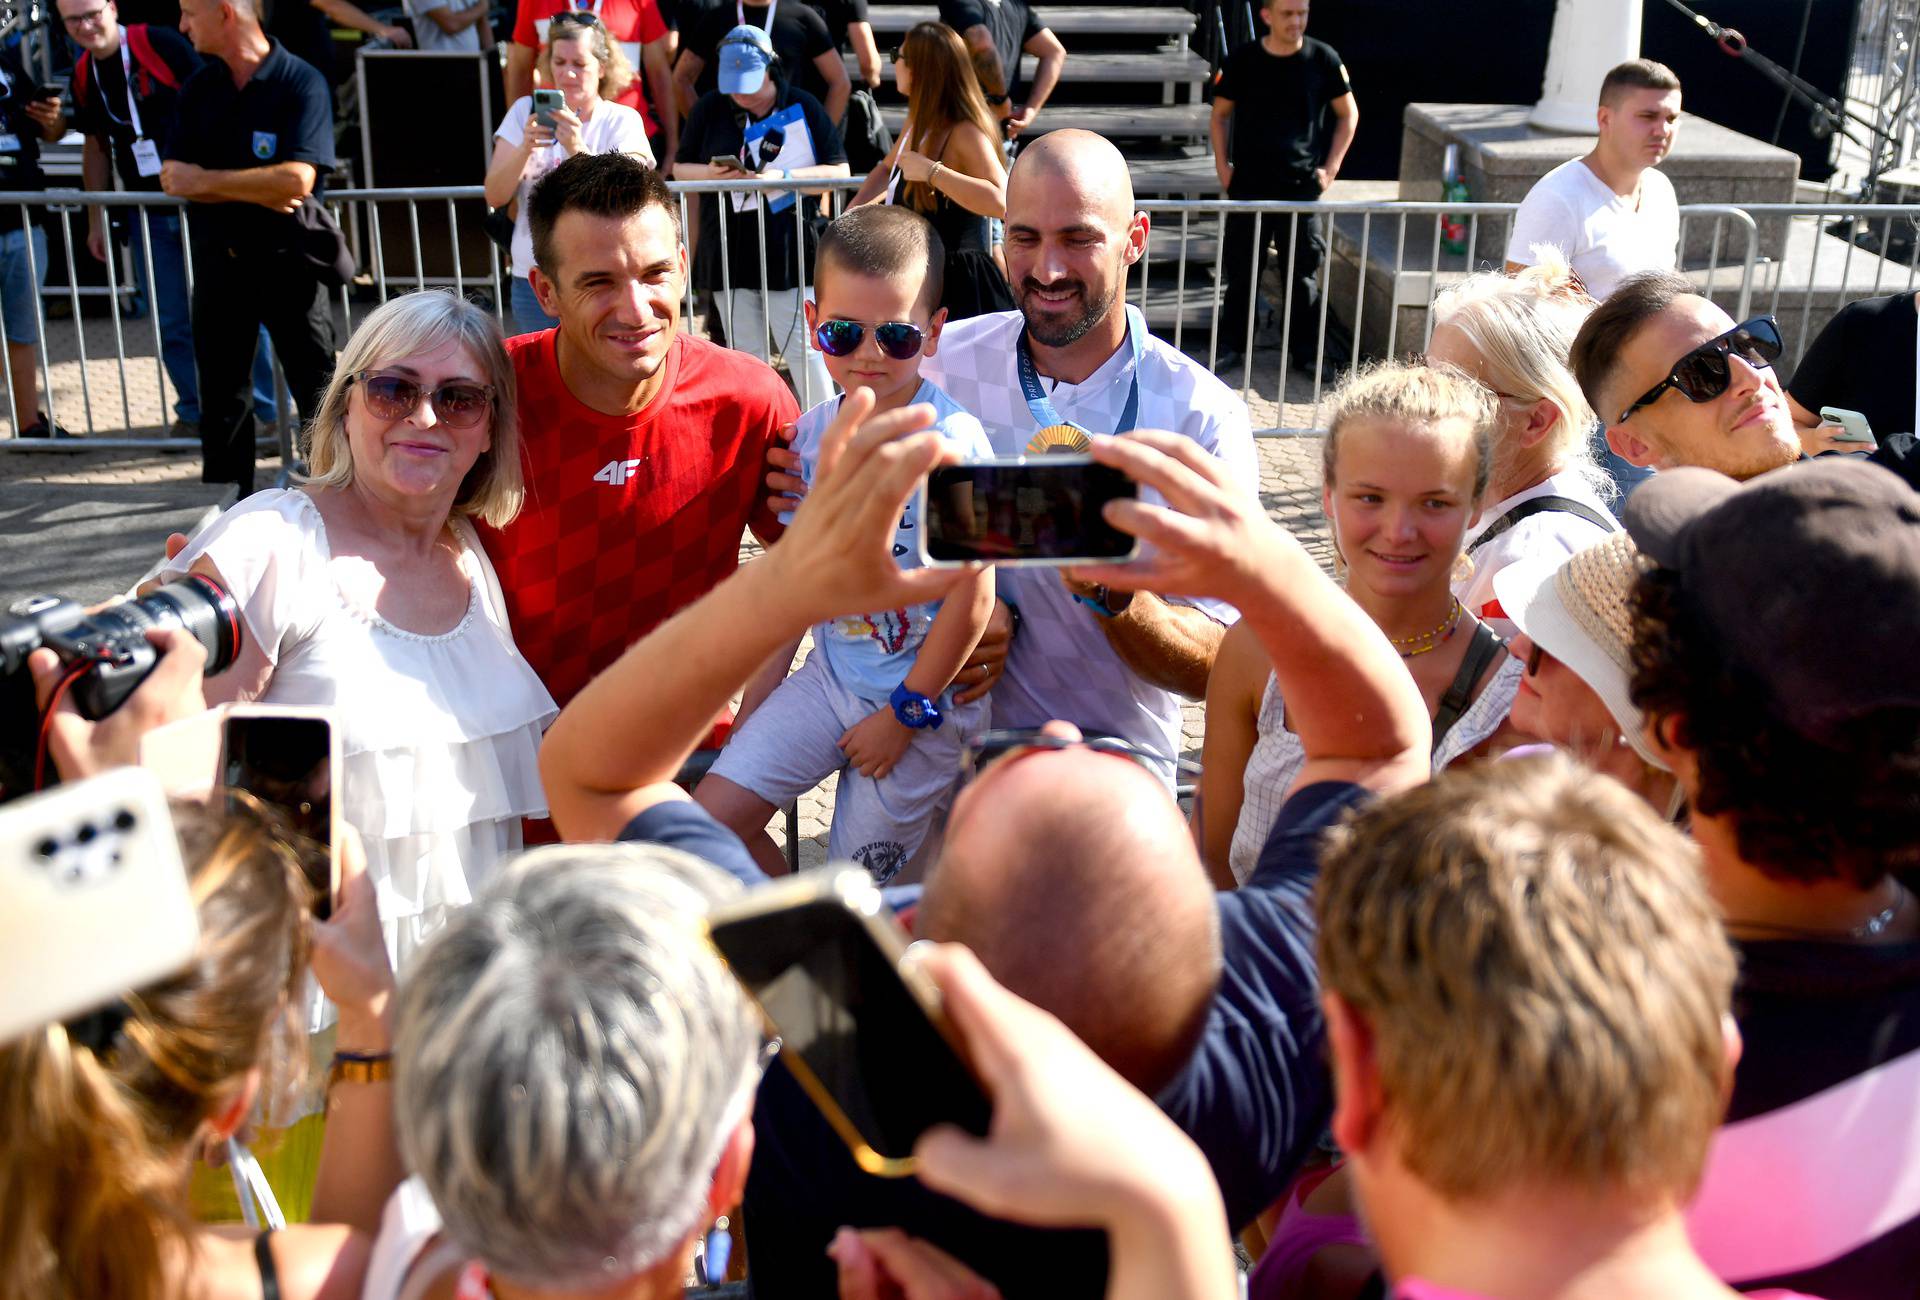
[897, 338]
[87, 19]
[1704, 373]
[1533, 659]
[394, 397]
[981, 751]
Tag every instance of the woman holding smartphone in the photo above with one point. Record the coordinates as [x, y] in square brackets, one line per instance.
[122, 1100]
[947, 165]
[588, 71]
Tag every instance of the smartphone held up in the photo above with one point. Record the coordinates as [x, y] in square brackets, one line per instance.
[97, 898]
[1040, 510]
[290, 758]
[860, 1027]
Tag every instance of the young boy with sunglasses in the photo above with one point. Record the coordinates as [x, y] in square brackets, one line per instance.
[872, 701]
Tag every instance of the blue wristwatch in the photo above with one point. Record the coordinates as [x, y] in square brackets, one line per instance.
[913, 709]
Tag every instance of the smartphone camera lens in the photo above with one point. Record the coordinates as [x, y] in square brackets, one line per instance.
[85, 834]
[46, 849]
[124, 820]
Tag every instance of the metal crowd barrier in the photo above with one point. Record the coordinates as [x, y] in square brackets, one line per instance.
[1385, 263]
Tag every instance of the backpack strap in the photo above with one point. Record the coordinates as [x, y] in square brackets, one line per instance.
[140, 41]
[1485, 646]
[1542, 505]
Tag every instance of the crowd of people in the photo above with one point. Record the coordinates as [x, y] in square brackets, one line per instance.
[1541, 925]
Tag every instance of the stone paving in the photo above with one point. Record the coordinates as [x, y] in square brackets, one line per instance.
[88, 523]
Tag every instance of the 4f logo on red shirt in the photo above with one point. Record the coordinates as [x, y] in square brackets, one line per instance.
[616, 472]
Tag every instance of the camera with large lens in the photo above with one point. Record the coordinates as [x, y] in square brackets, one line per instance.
[104, 656]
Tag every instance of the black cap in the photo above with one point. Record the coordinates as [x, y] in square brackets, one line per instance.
[1808, 575]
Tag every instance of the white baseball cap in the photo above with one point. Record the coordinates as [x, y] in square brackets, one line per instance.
[1577, 611]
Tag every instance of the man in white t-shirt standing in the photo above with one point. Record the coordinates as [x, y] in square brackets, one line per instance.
[1073, 360]
[1611, 213]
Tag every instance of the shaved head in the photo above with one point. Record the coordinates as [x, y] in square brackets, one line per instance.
[1074, 878]
[1088, 163]
[1071, 235]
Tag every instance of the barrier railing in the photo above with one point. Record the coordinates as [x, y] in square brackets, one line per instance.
[1375, 271]
[1380, 268]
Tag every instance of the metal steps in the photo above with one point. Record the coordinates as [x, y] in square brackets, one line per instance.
[1180, 178]
[1166, 67]
[1065, 20]
[1173, 123]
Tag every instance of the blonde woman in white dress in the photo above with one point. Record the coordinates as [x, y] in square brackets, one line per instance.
[364, 588]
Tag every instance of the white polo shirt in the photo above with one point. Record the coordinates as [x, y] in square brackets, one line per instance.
[1606, 237]
[1061, 665]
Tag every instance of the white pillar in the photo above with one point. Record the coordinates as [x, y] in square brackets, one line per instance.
[1589, 37]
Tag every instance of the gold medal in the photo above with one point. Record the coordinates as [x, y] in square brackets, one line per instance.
[1059, 439]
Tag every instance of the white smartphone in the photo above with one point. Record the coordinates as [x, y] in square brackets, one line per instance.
[290, 757]
[97, 900]
[1024, 510]
[1854, 424]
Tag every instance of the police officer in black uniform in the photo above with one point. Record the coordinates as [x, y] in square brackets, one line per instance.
[253, 141]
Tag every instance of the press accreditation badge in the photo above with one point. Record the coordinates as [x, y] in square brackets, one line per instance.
[146, 157]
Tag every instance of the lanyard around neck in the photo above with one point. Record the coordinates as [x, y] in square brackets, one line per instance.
[1045, 415]
[740, 13]
[133, 100]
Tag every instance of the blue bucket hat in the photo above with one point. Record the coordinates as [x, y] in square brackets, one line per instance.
[745, 54]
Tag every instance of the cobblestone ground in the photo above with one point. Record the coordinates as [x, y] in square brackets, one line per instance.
[130, 500]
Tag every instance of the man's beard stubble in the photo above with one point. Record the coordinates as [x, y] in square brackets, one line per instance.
[1060, 334]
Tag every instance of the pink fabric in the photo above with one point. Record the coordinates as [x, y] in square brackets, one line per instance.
[1296, 1239]
[1775, 1200]
[1414, 1289]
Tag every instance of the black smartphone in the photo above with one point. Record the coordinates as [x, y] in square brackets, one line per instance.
[290, 758]
[863, 1035]
[545, 104]
[1024, 511]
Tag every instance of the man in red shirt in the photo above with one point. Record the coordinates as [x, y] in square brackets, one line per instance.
[643, 446]
[641, 33]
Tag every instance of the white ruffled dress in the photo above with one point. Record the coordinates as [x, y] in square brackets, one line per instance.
[440, 734]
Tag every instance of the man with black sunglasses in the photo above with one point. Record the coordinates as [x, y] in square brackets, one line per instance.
[1678, 382]
[1067, 865]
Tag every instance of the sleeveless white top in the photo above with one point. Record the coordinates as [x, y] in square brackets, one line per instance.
[1277, 757]
[440, 734]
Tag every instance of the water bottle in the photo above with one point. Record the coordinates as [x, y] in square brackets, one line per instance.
[1453, 189]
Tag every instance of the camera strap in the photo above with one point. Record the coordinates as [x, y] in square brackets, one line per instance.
[1045, 415]
[740, 13]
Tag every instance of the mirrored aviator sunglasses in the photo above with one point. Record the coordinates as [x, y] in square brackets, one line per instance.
[1704, 373]
[395, 397]
[897, 338]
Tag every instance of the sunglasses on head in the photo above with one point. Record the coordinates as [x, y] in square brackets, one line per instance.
[395, 397]
[1704, 373]
[897, 338]
[981, 751]
[575, 18]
